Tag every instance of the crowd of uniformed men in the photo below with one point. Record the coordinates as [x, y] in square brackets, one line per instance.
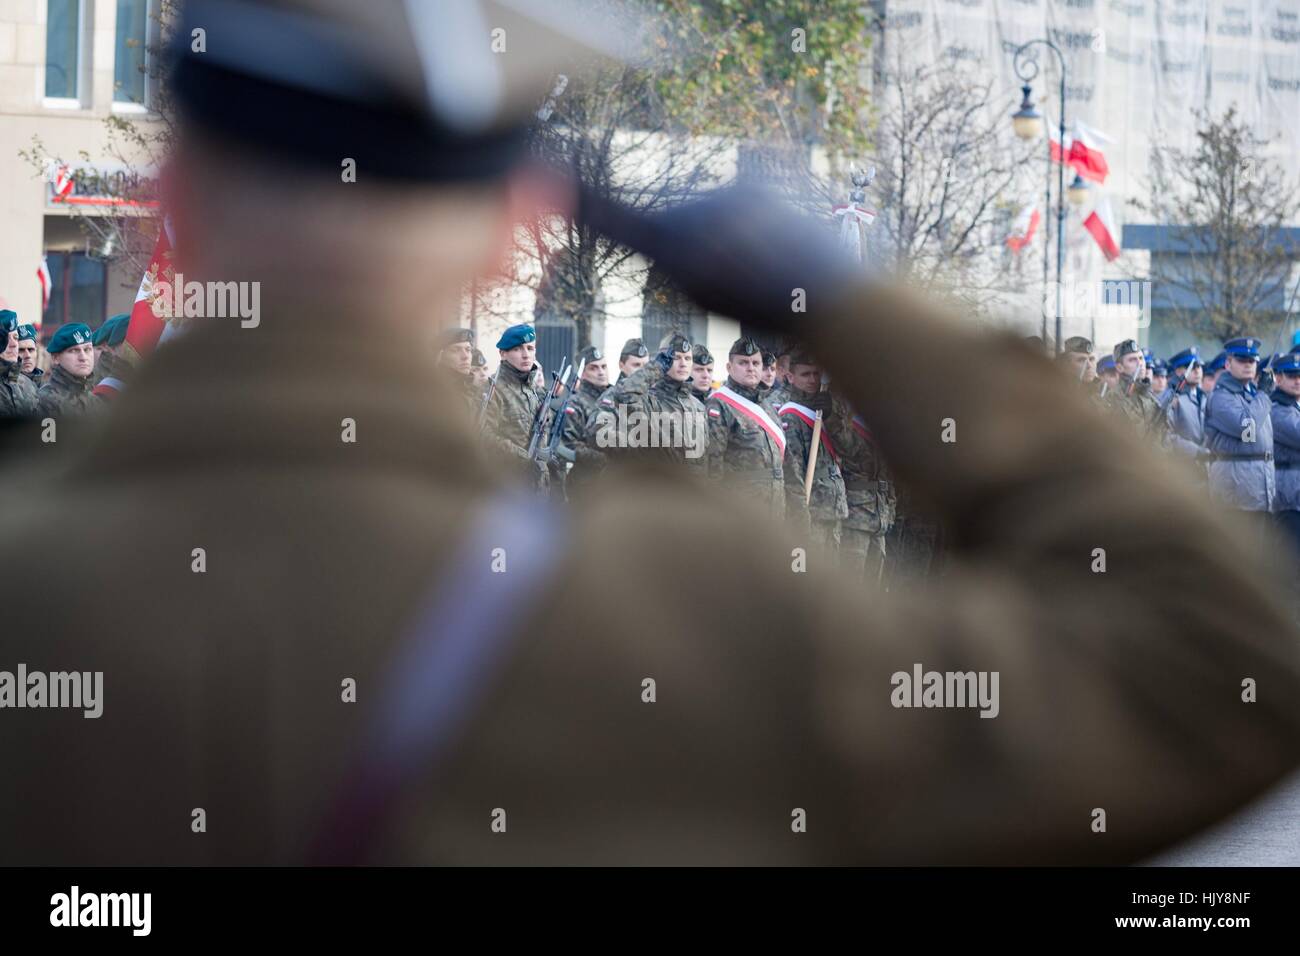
[1235, 420]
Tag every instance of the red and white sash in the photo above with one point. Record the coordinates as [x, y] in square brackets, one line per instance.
[808, 417]
[860, 426]
[755, 412]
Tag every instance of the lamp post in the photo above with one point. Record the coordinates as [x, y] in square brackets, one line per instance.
[1028, 124]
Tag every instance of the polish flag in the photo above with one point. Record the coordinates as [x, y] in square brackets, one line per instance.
[149, 314]
[1083, 152]
[1101, 224]
[43, 277]
[1023, 229]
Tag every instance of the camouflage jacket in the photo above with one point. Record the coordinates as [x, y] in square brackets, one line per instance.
[18, 396]
[509, 419]
[661, 416]
[827, 501]
[743, 452]
[37, 377]
[868, 489]
[1135, 403]
[462, 387]
[113, 367]
[588, 458]
[65, 394]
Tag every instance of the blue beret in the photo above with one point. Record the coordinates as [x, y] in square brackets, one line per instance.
[8, 321]
[74, 333]
[1105, 363]
[516, 335]
[1216, 364]
[1244, 347]
[1287, 362]
[1187, 356]
[26, 332]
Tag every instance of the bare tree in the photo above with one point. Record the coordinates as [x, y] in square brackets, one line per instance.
[1227, 206]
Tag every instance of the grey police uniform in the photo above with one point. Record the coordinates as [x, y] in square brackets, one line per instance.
[1241, 472]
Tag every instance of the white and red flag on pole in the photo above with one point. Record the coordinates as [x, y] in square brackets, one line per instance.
[1101, 224]
[1083, 151]
[150, 313]
[43, 277]
[1023, 229]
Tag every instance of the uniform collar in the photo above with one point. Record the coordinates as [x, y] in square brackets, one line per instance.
[514, 375]
[744, 391]
[593, 391]
[70, 381]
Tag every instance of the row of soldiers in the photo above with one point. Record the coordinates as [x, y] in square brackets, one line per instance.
[754, 431]
[1235, 419]
[86, 367]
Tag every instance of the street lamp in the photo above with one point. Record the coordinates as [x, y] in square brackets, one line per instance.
[1028, 123]
[1078, 191]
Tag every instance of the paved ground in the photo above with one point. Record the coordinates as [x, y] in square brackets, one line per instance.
[1266, 833]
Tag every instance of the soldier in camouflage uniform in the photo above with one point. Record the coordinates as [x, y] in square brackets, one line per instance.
[68, 392]
[1079, 359]
[588, 459]
[509, 418]
[28, 351]
[17, 393]
[632, 358]
[456, 364]
[1131, 397]
[747, 445]
[827, 505]
[768, 381]
[701, 373]
[111, 367]
[659, 395]
[868, 491]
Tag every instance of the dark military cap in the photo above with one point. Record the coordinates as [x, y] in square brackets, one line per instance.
[1126, 347]
[454, 336]
[73, 333]
[744, 346]
[413, 91]
[26, 332]
[675, 342]
[633, 347]
[1078, 343]
[1188, 356]
[516, 335]
[769, 358]
[1158, 367]
[1216, 364]
[1244, 347]
[477, 359]
[8, 321]
[701, 356]
[590, 354]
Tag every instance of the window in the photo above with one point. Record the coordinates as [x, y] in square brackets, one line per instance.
[129, 52]
[78, 290]
[63, 33]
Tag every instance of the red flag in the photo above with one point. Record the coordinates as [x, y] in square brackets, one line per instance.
[1083, 152]
[1102, 227]
[148, 315]
[1023, 229]
[43, 277]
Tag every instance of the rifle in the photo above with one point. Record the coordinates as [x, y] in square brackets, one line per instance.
[557, 424]
[487, 400]
[539, 418]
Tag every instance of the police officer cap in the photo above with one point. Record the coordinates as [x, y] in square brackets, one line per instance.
[1106, 363]
[74, 333]
[1244, 347]
[516, 335]
[26, 332]
[411, 90]
[701, 356]
[744, 346]
[1079, 344]
[1158, 367]
[454, 336]
[675, 342]
[8, 321]
[1288, 362]
[1216, 364]
[1126, 347]
[1188, 356]
[633, 347]
[590, 354]
[477, 359]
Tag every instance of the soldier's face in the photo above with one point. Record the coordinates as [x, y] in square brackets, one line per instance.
[77, 361]
[769, 375]
[783, 368]
[1159, 382]
[702, 376]
[27, 355]
[1133, 364]
[458, 356]
[1242, 369]
[680, 370]
[597, 373]
[1289, 383]
[1084, 365]
[747, 370]
[522, 357]
[478, 375]
[1208, 380]
[631, 363]
[806, 378]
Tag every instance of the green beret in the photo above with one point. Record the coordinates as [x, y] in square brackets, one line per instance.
[105, 331]
[26, 332]
[8, 321]
[74, 333]
[515, 336]
[120, 324]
